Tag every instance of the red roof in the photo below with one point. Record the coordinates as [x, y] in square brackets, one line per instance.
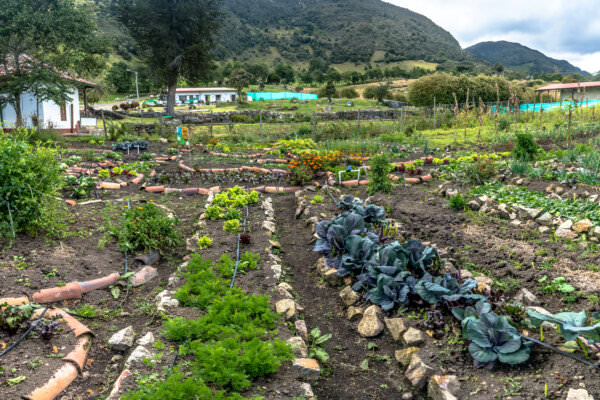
[563, 86]
[216, 89]
[26, 63]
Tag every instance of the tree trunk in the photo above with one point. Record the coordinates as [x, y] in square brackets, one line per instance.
[18, 112]
[172, 84]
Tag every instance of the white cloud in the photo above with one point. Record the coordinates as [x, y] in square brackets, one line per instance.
[563, 29]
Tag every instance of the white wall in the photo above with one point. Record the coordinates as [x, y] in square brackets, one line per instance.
[49, 112]
[225, 96]
[52, 113]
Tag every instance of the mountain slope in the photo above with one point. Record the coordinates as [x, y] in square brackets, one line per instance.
[294, 31]
[517, 57]
[337, 31]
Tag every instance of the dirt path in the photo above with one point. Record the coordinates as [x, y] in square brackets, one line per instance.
[343, 377]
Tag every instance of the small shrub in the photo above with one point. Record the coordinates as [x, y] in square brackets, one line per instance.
[457, 202]
[144, 228]
[379, 181]
[232, 213]
[503, 124]
[29, 178]
[232, 226]
[348, 93]
[301, 175]
[518, 167]
[146, 157]
[204, 242]
[525, 149]
[480, 171]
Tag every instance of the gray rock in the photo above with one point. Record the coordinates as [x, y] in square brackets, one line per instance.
[465, 274]
[307, 390]
[349, 297]
[526, 297]
[322, 266]
[331, 277]
[545, 219]
[269, 226]
[287, 308]
[298, 346]
[353, 313]
[579, 394]
[529, 213]
[138, 355]
[301, 329]
[473, 205]
[405, 355]
[122, 340]
[370, 325]
[276, 269]
[413, 337]
[164, 300]
[396, 327]
[146, 340]
[543, 229]
[596, 232]
[417, 371]
[309, 367]
[443, 387]
[503, 211]
[407, 396]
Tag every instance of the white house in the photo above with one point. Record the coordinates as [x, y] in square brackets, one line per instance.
[64, 119]
[206, 95]
[49, 114]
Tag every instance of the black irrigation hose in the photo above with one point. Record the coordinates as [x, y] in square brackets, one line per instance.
[27, 332]
[174, 359]
[581, 360]
[237, 258]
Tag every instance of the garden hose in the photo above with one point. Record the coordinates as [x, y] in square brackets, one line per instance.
[574, 357]
[27, 332]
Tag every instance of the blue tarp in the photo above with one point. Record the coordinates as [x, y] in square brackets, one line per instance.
[281, 96]
[550, 106]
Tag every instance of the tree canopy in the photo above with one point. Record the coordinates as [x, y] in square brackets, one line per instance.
[175, 37]
[41, 40]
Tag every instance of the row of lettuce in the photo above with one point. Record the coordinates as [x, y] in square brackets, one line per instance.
[394, 274]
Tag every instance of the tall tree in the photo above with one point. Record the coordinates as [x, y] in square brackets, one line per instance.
[239, 78]
[174, 36]
[329, 91]
[40, 41]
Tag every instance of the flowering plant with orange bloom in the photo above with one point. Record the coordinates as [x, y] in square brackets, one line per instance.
[316, 162]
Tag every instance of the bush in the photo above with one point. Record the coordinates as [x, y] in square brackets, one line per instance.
[348, 93]
[525, 149]
[379, 181]
[240, 118]
[457, 202]
[480, 171]
[144, 228]
[29, 179]
[503, 124]
[301, 175]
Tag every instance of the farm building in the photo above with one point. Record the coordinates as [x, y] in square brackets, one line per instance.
[205, 95]
[49, 114]
[580, 91]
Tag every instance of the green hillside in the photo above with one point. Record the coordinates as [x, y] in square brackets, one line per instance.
[340, 32]
[519, 58]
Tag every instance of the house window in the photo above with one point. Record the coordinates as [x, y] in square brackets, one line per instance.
[233, 97]
[218, 97]
[63, 112]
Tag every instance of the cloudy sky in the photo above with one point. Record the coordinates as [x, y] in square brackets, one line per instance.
[563, 29]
